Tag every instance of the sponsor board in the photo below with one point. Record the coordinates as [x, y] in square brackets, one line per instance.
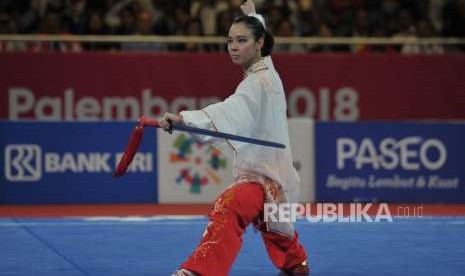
[73, 163]
[393, 162]
[191, 172]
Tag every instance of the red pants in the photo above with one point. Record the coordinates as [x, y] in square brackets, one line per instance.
[232, 212]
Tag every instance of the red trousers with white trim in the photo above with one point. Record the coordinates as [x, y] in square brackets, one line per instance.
[232, 212]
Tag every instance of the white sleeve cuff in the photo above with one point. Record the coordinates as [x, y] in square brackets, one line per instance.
[196, 118]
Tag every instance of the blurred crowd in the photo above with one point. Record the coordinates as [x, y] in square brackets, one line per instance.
[287, 18]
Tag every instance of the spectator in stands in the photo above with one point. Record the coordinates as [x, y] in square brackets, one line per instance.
[8, 26]
[52, 24]
[145, 26]
[309, 23]
[29, 17]
[75, 17]
[454, 18]
[379, 32]
[127, 22]
[207, 12]
[338, 16]
[96, 26]
[275, 15]
[361, 28]
[389, 8]
[286, 29]
[324, 31]
[223, 22]
[182, 19]
[405, 24]
[455, 21]
[194, 28]
[435, 9]
[121, 17]
[424, 30]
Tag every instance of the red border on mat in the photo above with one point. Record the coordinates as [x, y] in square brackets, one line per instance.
[194, 209]
[103, 210]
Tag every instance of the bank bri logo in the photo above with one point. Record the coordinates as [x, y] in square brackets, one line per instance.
[23, 162]
[200, 163]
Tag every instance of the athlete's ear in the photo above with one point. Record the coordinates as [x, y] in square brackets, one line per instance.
[261, 42]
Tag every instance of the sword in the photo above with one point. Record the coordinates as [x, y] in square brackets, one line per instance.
[137, 133]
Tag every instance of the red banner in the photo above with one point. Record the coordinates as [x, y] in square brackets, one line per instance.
[89, 86]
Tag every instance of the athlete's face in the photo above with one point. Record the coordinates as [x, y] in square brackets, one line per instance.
[242, 47]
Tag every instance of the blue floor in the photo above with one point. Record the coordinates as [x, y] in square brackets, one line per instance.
[155, 247]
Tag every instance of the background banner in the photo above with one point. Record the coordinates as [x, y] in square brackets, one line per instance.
[190, 172]
[46, 163]
[390, 162]
[301, 137]
[93, 86]
[60, 163]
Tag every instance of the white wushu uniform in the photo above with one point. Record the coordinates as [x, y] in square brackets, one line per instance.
[257, 109]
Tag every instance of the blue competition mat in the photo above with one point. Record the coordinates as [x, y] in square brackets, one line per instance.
[155, 246]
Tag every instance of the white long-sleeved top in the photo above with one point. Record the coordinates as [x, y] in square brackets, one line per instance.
[257, 109]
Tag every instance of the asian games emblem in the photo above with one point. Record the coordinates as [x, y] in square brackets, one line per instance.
[201, 164]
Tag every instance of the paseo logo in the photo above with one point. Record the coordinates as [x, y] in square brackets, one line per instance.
[198, 164]
[411, 153]
[29, 162]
